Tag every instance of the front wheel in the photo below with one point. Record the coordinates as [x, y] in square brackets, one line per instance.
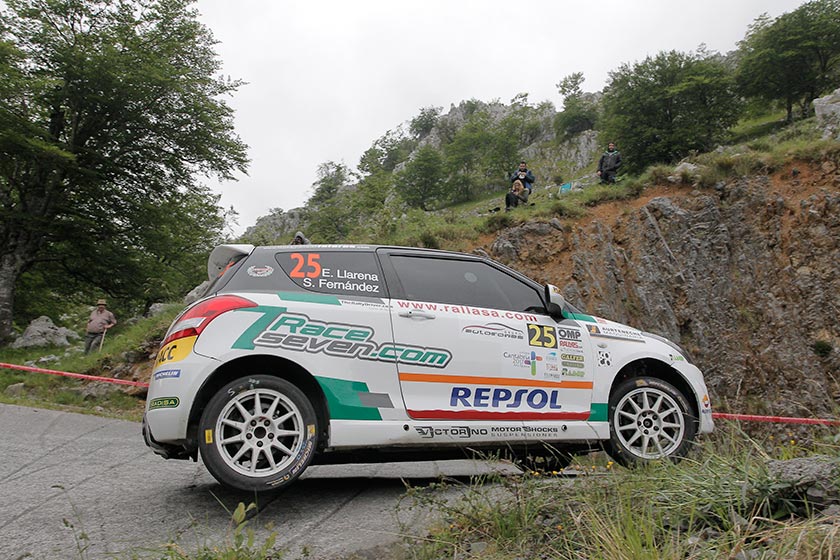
[649, 419]
[258, 433]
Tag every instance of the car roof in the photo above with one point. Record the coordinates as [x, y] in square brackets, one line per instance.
[222, 254]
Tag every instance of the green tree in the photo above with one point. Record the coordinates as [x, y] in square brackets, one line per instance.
[421, 125]
[465, 156]
[421, 183]
[579, 111]
[110, 112]
[387, 152]
[794, 58]
[666, 106]
[330, 213]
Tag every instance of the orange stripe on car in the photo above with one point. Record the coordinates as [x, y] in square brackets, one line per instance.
[501, 381]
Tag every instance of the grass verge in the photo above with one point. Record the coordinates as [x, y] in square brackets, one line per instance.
[723, 502]
[130, 342]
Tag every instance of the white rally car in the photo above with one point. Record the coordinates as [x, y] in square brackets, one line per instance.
[311, 354]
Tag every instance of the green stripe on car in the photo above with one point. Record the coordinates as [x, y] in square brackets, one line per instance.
[343, 399]
[598, 412]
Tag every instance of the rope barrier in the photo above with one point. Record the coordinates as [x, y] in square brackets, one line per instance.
[715, 415]
[774, 419]
[75, 375]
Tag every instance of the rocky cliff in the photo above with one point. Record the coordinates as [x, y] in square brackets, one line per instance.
[744, 276]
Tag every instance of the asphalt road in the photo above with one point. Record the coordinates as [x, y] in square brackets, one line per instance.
[84, 487]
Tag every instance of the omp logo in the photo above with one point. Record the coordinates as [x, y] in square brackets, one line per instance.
[564, 333]
[498, 330]
[297, 332]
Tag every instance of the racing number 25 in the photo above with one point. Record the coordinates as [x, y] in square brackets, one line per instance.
[314, 267]
[543, 336]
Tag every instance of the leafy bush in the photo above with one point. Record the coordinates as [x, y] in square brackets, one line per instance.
[821, 348]
[497, 222]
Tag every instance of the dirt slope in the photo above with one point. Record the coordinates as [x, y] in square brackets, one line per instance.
[744, 276]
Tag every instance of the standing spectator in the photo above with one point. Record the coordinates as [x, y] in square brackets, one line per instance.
[608, 164]
[100, 321]
[517, 195]
[300, 239]
[524, 175]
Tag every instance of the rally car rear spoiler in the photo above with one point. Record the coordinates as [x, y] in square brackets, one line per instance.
[221, 256]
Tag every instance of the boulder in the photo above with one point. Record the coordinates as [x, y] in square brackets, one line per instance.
[43, 332]
[16, 390]
[683, 171]
[156, 309]
[197, 293]
[827, 110]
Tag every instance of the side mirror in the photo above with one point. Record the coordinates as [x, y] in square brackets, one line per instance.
[555, 302]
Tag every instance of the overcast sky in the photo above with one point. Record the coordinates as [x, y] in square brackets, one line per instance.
[327, 78]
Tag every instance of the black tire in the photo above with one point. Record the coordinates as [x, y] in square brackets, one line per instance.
[258, 433]
[650, 420]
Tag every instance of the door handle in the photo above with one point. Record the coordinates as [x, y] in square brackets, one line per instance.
[415, 314]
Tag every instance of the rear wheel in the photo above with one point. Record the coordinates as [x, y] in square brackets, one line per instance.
[649, 419]
[258, 433]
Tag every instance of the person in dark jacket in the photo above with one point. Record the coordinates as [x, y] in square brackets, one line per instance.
[300, 239]
[517, 195]
[608, 164]
[524, 175]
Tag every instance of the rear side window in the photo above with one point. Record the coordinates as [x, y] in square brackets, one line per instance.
[227, 273]
[259, 273]
[334, 272]
[463, 282]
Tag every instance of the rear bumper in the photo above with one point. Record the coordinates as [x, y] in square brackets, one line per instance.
[164, 450]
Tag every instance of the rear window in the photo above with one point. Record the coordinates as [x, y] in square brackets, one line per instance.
[225, 275]
[334, 272]
[259, 273]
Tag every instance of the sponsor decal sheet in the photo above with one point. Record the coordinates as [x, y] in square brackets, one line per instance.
[505, 366]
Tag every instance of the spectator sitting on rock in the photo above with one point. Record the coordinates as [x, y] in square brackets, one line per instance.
[517, 195]
[525, 176]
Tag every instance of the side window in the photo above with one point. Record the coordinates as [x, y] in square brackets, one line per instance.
[334, 272]
[463, 282]
[258, 273]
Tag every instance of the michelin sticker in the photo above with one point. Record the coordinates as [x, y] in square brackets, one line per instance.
[168, 374]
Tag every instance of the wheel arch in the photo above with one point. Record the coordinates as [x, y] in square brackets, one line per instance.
[652, 367]
[264, 365]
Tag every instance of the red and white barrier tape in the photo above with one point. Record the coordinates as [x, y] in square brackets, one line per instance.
[774, 419]
[76, 375]
[715, 415]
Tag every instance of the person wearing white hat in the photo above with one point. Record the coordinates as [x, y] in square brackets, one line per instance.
[100, 321]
